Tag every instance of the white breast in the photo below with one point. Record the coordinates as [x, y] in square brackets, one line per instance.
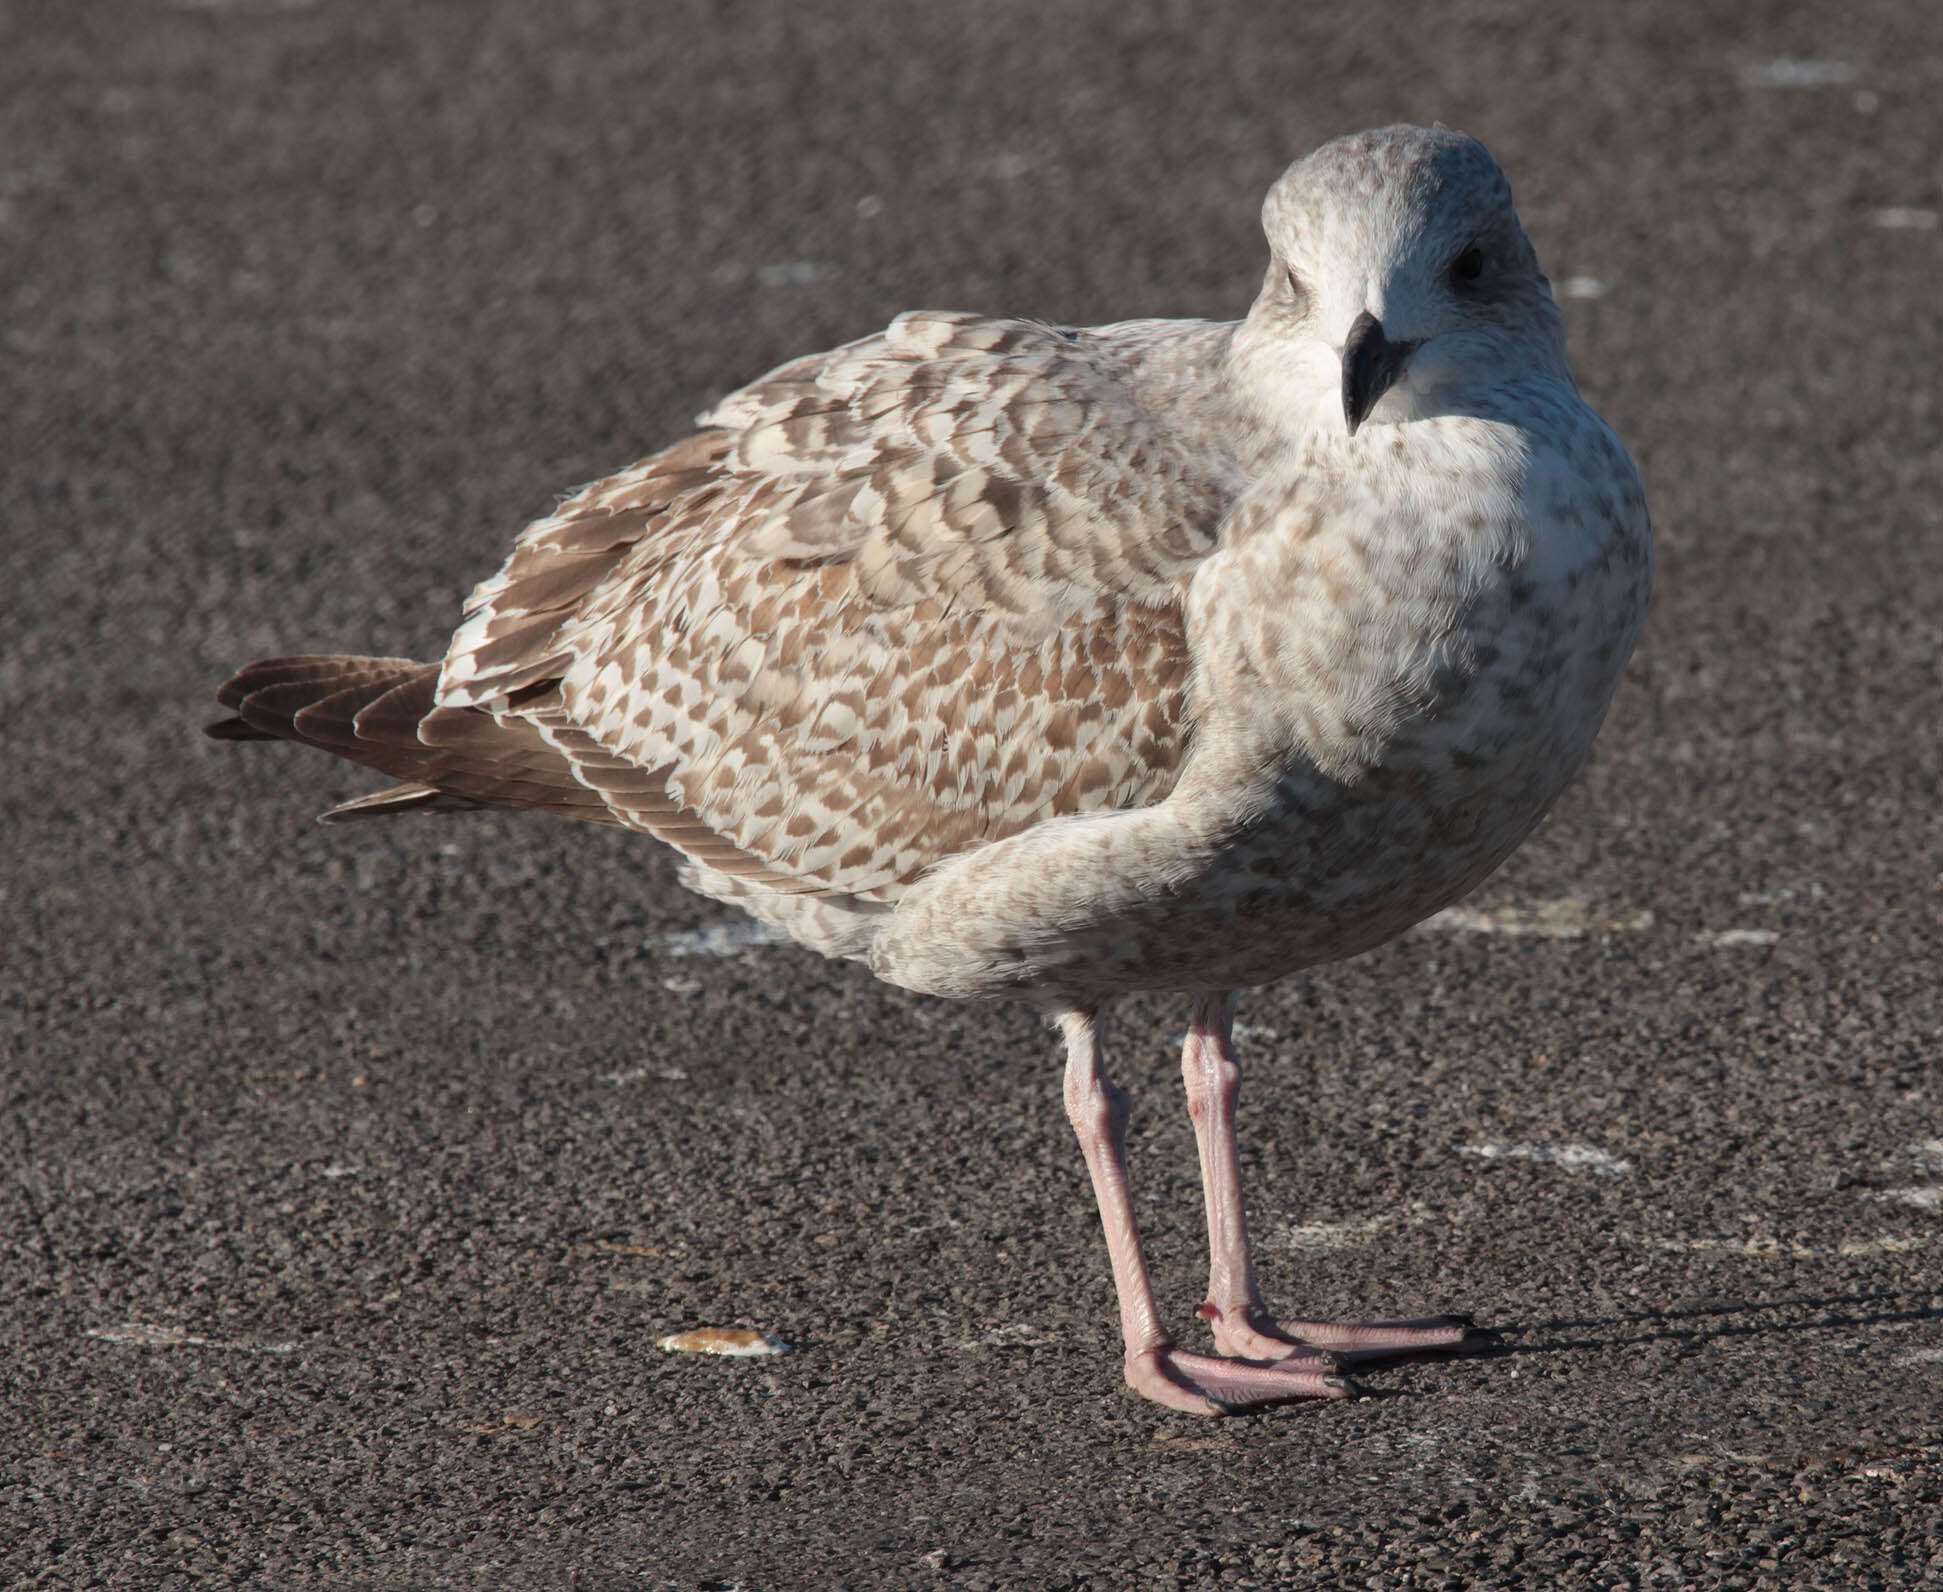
[1401, 658]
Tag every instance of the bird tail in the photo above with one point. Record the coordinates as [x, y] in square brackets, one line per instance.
[384, 713]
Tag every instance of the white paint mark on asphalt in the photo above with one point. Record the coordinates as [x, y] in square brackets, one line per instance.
[636, 1074]
[1335, 1235]
[1780, 895]
[338, 1169]
[1568, 918]
[718, 939]
[737, 1342]
[145, 1335]
[1786, 1249]
[1905, 218]
[1344, 1235]
[1568, 1157]
[1923, 1199]
[1733, 937]
[1795, 72]
[1582, 287]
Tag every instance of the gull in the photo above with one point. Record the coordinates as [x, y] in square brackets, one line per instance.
[1057, 663]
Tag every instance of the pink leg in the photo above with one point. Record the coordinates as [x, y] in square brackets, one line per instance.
[1241, 1322]
[1156, 1369]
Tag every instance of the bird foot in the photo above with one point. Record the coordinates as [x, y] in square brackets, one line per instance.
[1249, 1335]
[1203, 1385]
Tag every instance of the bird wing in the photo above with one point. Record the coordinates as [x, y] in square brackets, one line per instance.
[894, 601]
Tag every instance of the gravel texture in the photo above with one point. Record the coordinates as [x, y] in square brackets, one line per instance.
[352, 1175]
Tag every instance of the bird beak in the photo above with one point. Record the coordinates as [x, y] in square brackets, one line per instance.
[1371, 365]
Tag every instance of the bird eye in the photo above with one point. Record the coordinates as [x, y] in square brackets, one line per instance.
[1469, 265]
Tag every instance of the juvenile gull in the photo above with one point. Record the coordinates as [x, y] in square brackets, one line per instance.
[1057, 664]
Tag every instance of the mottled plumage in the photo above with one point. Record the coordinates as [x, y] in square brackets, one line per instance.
[1021, 660]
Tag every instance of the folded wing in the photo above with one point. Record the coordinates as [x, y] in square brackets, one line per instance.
[892, 602]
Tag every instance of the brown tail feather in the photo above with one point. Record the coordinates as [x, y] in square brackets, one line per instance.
[410, 797]
[235, 730]
[383, 713]
[334, 669]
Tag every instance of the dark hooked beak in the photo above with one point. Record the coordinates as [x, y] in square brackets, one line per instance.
[1371, 365]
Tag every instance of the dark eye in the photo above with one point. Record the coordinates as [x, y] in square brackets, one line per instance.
[1468, 266]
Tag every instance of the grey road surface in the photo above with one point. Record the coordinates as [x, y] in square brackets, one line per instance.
[351, 1174]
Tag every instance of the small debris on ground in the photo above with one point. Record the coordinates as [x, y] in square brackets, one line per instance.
[739, 1341]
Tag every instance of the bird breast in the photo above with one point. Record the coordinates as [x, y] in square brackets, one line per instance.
[1396, 668]
[1397, 687]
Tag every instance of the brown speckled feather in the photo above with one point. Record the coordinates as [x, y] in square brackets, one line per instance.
[898, 600]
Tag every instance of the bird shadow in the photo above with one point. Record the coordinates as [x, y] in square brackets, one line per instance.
[1692, 1326]
[1702, 1323]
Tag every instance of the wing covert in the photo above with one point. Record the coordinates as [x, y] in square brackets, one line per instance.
[893, 602]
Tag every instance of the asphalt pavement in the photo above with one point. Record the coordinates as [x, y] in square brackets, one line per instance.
[351, 1174]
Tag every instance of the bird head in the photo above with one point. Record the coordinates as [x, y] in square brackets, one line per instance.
[1400, 279]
